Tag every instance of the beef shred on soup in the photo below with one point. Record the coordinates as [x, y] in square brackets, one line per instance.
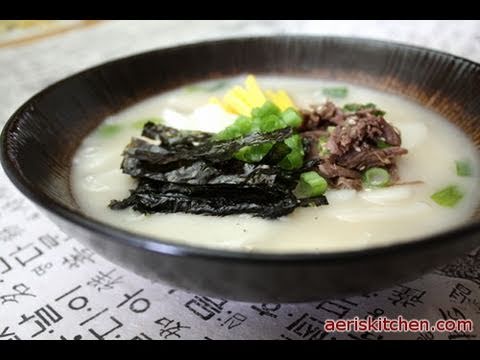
[278, 164]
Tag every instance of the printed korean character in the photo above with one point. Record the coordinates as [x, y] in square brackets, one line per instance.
[75, 302]
[170, 328]
[78, 257]
[76, 337]
[104, 326]
[8, 334]
[136, 304]
[44, 317]
[15, 204]
[235, 320]
[267, 309]
[204, 307]
[5, 267]
[306, 327]
[141, 336]
[18, 291]
[455, 314]
[26, 254]
[375, 313]
[104, 280]
[42, 269]
[406, 296]
[460, 293]
[339, 308]
[10, 232]
[49, 241]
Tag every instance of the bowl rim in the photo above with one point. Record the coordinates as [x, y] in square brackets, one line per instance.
[173, 248]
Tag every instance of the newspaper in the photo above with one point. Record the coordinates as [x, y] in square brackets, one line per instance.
[53, 287]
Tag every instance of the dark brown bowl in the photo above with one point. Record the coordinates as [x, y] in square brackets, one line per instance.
[39, 140]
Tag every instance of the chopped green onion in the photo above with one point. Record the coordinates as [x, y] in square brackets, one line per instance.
[108, 130]
[463, 168]
[311, 184]
[382, 144]
[322, 146]
[270, 123]
[354, 107]
[139, 124]
[242, 126]
[255, 153]
[277, 153]
[267, 118]
[292, 118]
[269, 108]
[294, 159]
[448, 197]
[376, 177]
[336, 92]
[378, 112]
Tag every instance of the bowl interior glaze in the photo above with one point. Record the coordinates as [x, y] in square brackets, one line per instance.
[40, 139]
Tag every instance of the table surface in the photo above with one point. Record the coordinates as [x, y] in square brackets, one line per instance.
[52, 287]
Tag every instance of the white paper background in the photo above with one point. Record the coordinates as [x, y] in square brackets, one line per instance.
[39, 264]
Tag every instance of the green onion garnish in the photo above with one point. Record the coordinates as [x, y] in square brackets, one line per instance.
[253, 154]
[463, 168]
[376, 177]
[292, 118]
[294, 159]
[311, 184]
[268, 108]
[354, 107]
[265, 119]
[241, 127]
[268, 123]
[382, 144]
[322, 146]
[108, 130]
[448, 197]
[336, 92]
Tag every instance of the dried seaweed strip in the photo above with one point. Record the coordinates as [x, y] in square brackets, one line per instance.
[214, 151]
[174, 139]
[190, 172]
[151, 197]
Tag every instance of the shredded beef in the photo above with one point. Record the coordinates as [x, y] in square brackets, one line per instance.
[354, 144]
[361, 132]
[332, 170]
[370, 158]
[324, 115]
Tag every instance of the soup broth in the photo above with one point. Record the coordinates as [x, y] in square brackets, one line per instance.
[352, 220]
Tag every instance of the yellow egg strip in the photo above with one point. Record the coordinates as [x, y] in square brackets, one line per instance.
[238, 105]
[241, 100]
[217, 101]
[258, 98]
